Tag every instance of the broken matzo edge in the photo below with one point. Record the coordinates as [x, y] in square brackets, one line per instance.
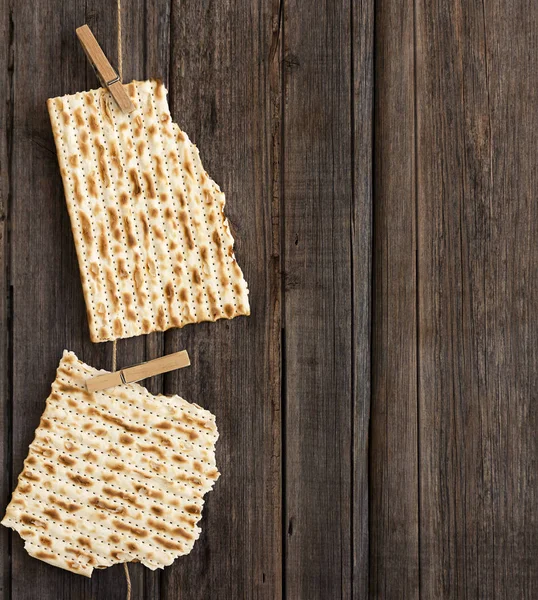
[113, 476]
[154, 247]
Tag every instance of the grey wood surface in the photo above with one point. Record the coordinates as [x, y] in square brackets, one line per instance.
[6, 127]
[377, 411]
[477, 129]
[222, 89]
[394, 498]
[319, 250]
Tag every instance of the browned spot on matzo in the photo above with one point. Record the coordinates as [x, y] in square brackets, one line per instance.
[131, 239]
[118, 327]
[111, 287]
[103, 244]
[105, 109]
[66, 505]
[138, 278]
[52, 513]
[135, 182]
[168, 544]
[94, 123]
[150, 188]
[159, 168]
[169, 292]
[136, 531]
[28, 520]
[113, 217]
[186, 231]
[85, 227]
[138, 126]
[78, 117]
[122, 270]
[216, 239]
[103, 173]
[115, 158]
[79, 197]
[79, 480]
[92, 185]
[151, 448]
[115, 466]
[150, 267]
[104, 505]
[145, 228]
[120, 423]
[160, 318]
[192, 509]
[130, 498]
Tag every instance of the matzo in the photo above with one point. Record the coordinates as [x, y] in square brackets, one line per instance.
[113, 476]
[153, 244]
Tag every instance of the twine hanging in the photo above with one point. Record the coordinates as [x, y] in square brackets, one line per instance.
[114, 343]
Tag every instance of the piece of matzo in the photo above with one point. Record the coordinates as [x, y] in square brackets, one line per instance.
[113, 476]
[153, 244]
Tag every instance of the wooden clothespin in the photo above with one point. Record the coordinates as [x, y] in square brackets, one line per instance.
[106, 74]
[164, 364]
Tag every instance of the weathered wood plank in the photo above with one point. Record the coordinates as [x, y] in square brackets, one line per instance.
[477, 181]
[362, 39]
[49, 311]
[225, 93]
[6, 132]
[394, 561]
[48, 307]
[320, 250]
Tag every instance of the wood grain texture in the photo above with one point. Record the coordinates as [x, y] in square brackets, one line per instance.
[436, 495]
[48, 308]
[362, 62]
[223, 91]
[477, 181]
[226, 91]
[394, 559]
[6, 133]
[320, 248]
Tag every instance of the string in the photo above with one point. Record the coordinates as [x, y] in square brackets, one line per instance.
[125, 567]
[128, 578]
[120, 56]
[114, 348]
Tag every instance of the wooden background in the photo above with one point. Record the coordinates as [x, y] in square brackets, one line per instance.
[378, 410]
